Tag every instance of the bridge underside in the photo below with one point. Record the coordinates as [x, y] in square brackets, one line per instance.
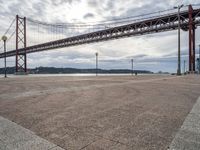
[189, 20]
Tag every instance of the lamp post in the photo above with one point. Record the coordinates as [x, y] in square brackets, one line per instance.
[199, 59]
[96, 54]
[132, 67]
[179, 44]
[4, 38]
[184, 68]
[198, 65]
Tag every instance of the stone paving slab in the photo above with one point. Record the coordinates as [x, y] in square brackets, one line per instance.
[188, 137]
[15, 137]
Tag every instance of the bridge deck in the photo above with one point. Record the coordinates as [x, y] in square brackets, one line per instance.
[159, 24]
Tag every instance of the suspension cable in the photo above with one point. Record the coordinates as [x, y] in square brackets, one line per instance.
[101, 22]
[9, 27]
[13, 33]
[107, 22]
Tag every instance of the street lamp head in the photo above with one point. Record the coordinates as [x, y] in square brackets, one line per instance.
[4, 38]
[96, 54]
[178, 7]
[181, 6]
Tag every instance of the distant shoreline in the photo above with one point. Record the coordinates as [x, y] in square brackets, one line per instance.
[80, 75]
[53, 70]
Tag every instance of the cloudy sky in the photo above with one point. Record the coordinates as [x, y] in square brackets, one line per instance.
[151, 52]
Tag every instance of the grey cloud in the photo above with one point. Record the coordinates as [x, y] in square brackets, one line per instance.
[39, 9]
[60, 2]
[88, 15]
[137, 56]
[65, 54]
[111, 4]
[25, 8]
[145, 8]
[92, 3]
[76, 55]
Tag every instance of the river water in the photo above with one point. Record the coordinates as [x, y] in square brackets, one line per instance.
[61, 75]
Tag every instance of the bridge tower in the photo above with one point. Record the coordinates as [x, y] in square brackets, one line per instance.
[21, 67]
[191, 28]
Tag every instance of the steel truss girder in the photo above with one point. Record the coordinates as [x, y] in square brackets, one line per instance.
[160, 24]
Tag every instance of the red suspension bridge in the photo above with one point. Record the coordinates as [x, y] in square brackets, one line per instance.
[31, 36]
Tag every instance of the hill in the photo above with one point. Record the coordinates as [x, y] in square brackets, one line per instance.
[53, 70]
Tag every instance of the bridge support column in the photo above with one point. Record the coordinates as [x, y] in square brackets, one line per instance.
[21, 67]
[191, 41]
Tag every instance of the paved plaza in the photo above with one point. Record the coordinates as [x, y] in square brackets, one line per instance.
[145, 112]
